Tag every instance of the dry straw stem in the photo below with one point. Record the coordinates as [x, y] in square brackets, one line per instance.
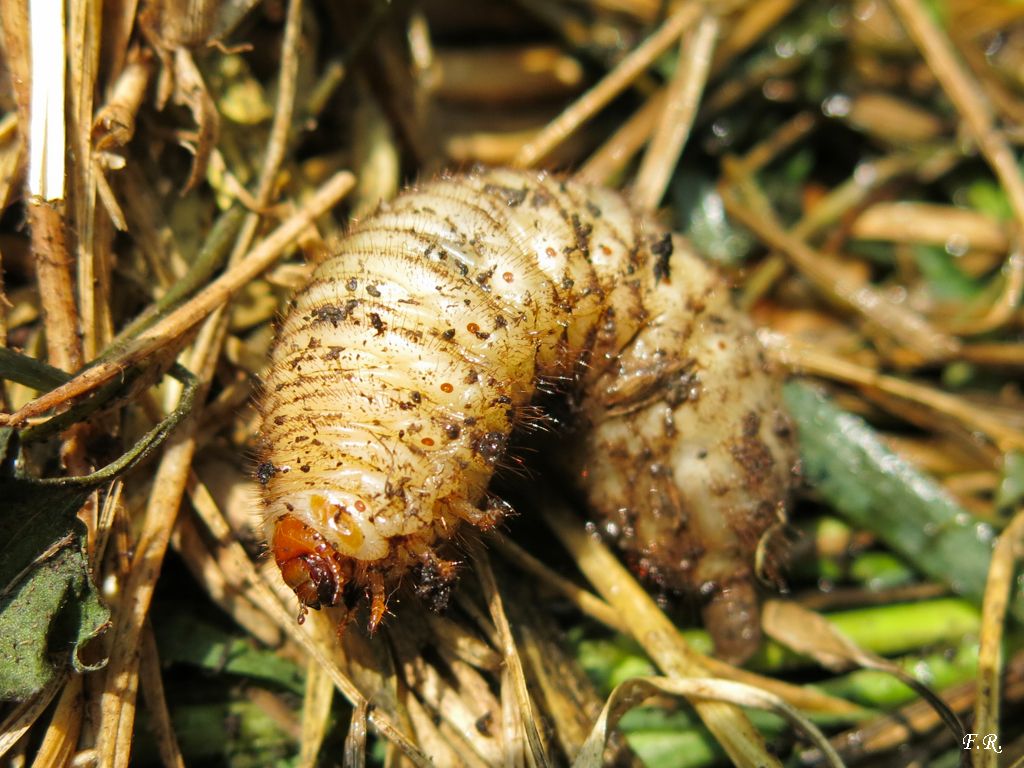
[994, 353]
[615, 153]
[837, 203]
[1008, 551]
[590, 605]
[513, 665]
[355, 740]
[787, 135]
[117, 705]
[801, 697]
[755, 19]
[633, 692]
[24, 714]
[156, 702]
[571, 702]
[970, 418]
[611, 85]
[179, 321]
[93, 261]
[748, 204]
[61, 739]
[914, 222]
[46, 142]
[47, 134]
[114, 125]
[966, 95]
[682, 99]
[657, 635]
[210, 570]
[520, 74]
[459, 695]
[587, 602]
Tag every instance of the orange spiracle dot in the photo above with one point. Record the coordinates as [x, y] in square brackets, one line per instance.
[473, 328]
[508, 277]
[447, 388]
[427, 441]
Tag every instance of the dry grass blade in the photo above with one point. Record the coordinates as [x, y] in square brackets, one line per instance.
[355, 742]
[656, 634]
[905, 325]
[632, 692]
[212, 573]
[943, 405]
[930, 223]
[611, 158]
[1008, 552]
[121, 683]
[967, 97]
[61, 740]
[156, 702]
[523, 703]
[810, 633]
[587, 602]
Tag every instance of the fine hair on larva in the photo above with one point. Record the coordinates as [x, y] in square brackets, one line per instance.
[404, 365]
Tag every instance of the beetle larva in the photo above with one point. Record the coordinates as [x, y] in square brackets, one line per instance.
[404, 365]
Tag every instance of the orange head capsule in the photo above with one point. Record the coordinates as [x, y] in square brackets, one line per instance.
[309, 565]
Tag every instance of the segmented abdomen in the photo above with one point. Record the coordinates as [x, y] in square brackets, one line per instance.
[403, 366]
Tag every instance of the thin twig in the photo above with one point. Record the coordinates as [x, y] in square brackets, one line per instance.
[966, 95]
[631, 67]
[682, 100]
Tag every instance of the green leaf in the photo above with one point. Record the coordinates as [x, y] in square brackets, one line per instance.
[185, 639]
[944, 277]
[1010, 492]
[700, 214]
[49, 607]
[220, 729]
[988, 197]
[877, 490]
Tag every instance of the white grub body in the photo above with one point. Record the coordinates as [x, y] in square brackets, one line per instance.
[403, 366]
